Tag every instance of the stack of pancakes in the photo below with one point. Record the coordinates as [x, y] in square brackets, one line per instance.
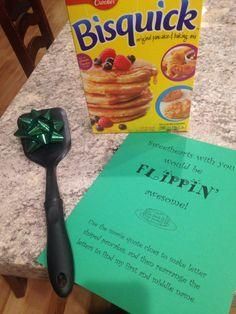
[119, 95]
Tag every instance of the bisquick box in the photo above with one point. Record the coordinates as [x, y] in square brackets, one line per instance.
[137, 61]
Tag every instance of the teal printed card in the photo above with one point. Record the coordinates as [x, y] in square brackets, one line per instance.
[155, 234]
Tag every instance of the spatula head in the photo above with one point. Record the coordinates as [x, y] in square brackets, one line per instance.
[51, 154]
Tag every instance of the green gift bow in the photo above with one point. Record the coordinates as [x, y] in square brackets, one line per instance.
[39, 129]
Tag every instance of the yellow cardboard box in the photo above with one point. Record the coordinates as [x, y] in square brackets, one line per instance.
[137, 60]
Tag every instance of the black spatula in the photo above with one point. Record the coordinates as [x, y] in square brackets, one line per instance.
[59, 253]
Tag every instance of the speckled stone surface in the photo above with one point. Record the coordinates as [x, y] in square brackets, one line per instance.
[56, 82]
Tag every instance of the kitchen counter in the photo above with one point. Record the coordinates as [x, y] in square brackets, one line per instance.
[56, 82]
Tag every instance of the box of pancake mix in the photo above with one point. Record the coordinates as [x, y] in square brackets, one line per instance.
[137, 61]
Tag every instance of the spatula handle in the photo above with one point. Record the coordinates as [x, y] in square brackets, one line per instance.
[59, 253]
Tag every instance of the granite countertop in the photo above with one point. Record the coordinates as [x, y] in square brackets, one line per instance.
[56, 82]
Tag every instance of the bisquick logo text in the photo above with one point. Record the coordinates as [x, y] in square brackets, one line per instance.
[91, 31]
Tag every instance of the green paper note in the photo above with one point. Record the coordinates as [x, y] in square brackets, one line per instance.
[155, 233]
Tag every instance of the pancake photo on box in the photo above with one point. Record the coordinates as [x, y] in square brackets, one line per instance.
[117, 88]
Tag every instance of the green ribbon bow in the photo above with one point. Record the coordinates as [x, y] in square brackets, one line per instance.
[39, 129]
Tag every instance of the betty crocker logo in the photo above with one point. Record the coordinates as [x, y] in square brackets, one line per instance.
[99, 4]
